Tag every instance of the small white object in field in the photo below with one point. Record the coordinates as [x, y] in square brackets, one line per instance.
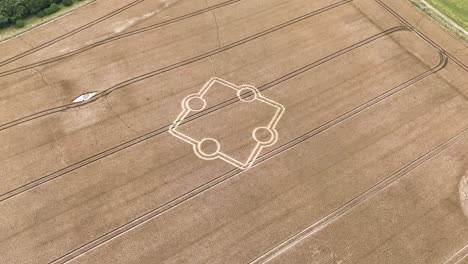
[84, 97]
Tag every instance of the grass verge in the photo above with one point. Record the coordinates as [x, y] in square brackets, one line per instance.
[455, 10]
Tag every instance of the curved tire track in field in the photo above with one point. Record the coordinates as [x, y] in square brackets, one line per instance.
[422, 35]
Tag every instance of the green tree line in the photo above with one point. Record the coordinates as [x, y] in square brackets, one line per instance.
[14, 11]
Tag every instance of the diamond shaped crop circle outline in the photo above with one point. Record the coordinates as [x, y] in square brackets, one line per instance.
[193, 103]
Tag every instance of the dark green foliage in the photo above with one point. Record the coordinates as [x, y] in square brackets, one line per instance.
[3, 21]
[67, 2]
[20, 12]
[14, 10]
[19, 23]
[51, 9]
[34, 6]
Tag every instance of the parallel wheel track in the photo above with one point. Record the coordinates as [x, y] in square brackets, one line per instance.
[68, 34]
[114, 38]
